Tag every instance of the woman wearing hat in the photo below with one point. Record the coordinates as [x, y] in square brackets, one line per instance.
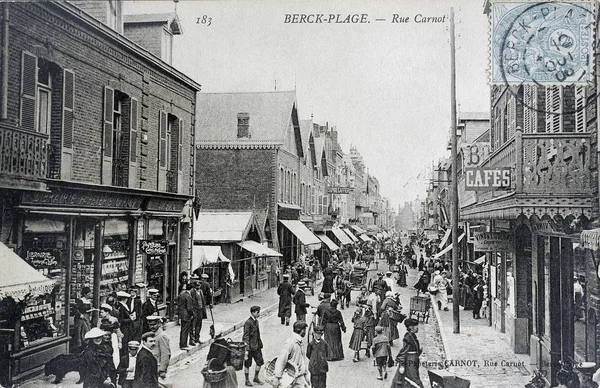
[96, 361]
[407, 374]
[333, 325]
[285, 291]
[390, 326]
[110, 325]
[441, 283]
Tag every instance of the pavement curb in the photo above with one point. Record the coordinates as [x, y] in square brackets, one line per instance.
[441, 326]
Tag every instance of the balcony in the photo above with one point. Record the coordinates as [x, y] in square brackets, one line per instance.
[550, 175]
[23, 158]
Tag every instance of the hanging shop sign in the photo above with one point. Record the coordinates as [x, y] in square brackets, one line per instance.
[42, 258]
[154, 247]
[492, 242]
[487, 179]
[339, 190]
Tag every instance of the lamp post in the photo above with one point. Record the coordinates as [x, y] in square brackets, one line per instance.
[454, 176]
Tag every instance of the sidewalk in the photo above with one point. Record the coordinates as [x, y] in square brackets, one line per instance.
[228, 318]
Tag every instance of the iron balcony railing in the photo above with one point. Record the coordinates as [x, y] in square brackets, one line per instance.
[23, 154]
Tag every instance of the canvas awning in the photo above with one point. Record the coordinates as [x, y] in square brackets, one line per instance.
[207, 254]
[445, 238]
[351, 235]
[18, 278]
[358, 229]
[443, 251]
[480, 260]
[259, 249]
[341, 236]
[379, 235]
[330, 244]
[365, 238]
[300, 230]
[215, 227]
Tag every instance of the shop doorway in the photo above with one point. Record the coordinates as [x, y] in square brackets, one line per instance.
[524, 303]
[242, 276]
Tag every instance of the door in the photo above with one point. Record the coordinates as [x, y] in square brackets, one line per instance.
[242, 276]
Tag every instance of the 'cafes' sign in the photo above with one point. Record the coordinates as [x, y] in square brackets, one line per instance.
[487, 179]
[492, 242]
[42, 258]
[154, 247]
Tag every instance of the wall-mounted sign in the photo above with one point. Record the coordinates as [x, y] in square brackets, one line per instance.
[154, 247]
[487, 179]
[339, 190]
[42, 258]
[492, 242]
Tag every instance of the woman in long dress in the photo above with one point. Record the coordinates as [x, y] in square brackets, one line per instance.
[402, 271]
[441, 298]
[390, 326]
[220, 354]
[407, 374]
[327, 281]
[333, 325]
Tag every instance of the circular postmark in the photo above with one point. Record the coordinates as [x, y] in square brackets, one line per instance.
[544, 44]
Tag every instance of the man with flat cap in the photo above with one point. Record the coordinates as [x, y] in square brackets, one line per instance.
[149, 308]
[317, 359]
[162, 349]
[285, 292]
[146, 367]
[126, 369]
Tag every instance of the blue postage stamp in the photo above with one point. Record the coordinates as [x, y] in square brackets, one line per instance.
[542, 43]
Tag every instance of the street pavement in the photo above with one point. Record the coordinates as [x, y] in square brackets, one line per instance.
[477, 342]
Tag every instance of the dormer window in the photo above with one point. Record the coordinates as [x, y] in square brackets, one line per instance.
[243, 126]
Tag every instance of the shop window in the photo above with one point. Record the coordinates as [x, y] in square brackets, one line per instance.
[115, 257]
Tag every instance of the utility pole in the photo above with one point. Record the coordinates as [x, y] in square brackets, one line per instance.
[454, 179]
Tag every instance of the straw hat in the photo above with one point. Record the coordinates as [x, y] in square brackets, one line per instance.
[94, 333]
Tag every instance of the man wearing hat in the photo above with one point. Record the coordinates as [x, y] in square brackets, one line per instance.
[126, 369]
[186, 313]
[162, 349]
[293, 351]
[380, 287]
[317, 359]
[300, 303]
[206, 291]
[324, 305]
[285, 292]
[146, 366]
[82, 326]
[125, 321]
[198, 308]
[254, 345]
[135, 309]
[150, 307]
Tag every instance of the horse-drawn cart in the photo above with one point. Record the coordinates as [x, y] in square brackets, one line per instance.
[358, 277]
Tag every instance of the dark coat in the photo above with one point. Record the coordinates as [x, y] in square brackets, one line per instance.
[184, 306]
[96, 365]
[300, 302]
[147, 310]
[126, 324]
[252, 335]
[325, 305]
[285, 292]
[122, 368]
[146, 370]
[317, 355]
[198, 305]
[327, 281]
[221, 352]
[135, 306]
[206, 291]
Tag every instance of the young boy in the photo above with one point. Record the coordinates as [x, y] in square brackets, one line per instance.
[381, 352]
[317, 355]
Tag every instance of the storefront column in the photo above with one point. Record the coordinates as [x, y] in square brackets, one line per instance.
[70, 242]
[98, 232]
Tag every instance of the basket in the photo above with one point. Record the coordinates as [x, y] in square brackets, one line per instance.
[238, 352]
[287, 379]
[397, 316]
[213, 376]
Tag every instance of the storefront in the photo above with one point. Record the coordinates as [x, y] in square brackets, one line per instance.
[296, 240]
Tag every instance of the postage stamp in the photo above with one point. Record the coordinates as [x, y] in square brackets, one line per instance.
[545, 43]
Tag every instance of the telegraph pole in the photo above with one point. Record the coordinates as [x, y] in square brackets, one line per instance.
[454, 179]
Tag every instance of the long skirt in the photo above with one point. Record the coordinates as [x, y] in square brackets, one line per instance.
[333, 337]
[356, 339]
[410, 378]
[402, 279]
[230, 380]
[442, 298]
[369, 335]
[390, 327]
[327, 285]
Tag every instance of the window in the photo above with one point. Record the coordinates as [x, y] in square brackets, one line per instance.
[44, 97]
[554, 108]
[243, 125]
[580, 109]
[120, 150]
[281, 184]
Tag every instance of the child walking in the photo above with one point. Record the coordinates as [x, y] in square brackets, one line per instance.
[381, 352]
[358, 333]
[317, 355]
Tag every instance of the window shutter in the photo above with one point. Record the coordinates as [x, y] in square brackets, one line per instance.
[133, 135]
[28, 91]
[162, 151]
[180, 146]
[107, 157]
[66, 162]
[580, 109]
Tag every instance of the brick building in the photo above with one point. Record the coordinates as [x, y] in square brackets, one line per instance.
[96, 168]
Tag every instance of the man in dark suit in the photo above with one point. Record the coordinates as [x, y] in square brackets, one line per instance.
[150, 307]
[135, 310]
[254, 345]
[206, 291]
[125, 321]
[126, 369]
[186, 313]
[146, 366]
[300, 304]
[199, 312]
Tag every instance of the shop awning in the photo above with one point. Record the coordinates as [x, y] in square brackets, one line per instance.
[351, 235]
[480, 260]
[358, 229]
[207, 254]
[17, 278]
[365, 238]
[222, 227]
[299, 230]
[591, 239]
[330, 244]
[443, 251]
[379, 235]
[340, 235]
[259, 249]
[445, 238]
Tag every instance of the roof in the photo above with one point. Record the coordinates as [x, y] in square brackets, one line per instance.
[306, 127]
[163, 18]
[270, 116]
[479, 116]
[222, 226]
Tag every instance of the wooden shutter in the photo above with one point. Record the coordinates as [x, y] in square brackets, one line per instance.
[162, 151]
[28, 91]
[580, 109]
[133, 140]
[180, 156]
[107, 156]
[66, 162]
[553, 105]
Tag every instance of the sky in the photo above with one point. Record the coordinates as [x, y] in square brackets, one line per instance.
[384, 85]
